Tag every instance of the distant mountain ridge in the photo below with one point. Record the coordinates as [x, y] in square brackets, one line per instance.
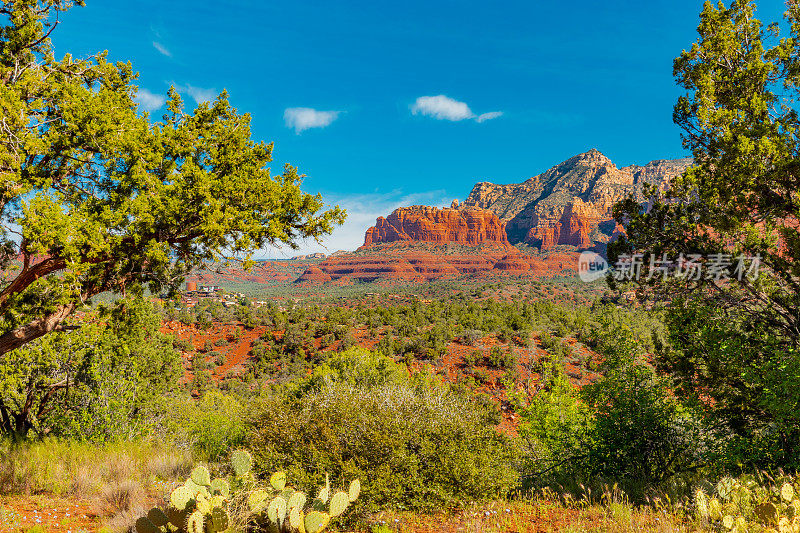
[570, 203]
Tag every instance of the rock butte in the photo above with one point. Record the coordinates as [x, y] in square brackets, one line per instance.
[469, 226]
[569, 204]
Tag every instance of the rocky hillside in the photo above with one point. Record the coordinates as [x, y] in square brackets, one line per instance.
[570, 203]
[470, 226]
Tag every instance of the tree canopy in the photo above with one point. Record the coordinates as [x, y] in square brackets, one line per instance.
[735, 338]
[94, 196]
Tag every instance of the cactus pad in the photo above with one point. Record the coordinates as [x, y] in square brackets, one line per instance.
[297, 500]
[767, 512]
[219, 519]
[339, 503]
[715, 509]
[728, 521]
[220, 487]
[316, 521]
[177, 518]
[787, 492]
[143, 525]
[295, 517]
[203, 505]
[701, 501]
[724, 487]
[201, 476]
[257, 500]
[195, 523]
[276, 511]
[180, 498]
[242, 462]
[157, 517]
[323, 495]
[195, 488]
[278, 480]
[355, 490]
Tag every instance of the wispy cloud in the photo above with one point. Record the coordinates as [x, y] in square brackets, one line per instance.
[303, 118]
[162, 49]
[362, 211]
[149, 101]
[483, 117]
[443, 107]
[198, 94]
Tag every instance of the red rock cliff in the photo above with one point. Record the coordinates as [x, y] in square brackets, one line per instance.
[431, 224]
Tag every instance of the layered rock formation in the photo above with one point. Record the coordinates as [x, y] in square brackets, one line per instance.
[414, 261]
[571, 203]
[470, 226]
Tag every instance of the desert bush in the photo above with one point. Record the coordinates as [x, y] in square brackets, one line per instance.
[357, 367]
[412, 447]
[471, 337]
[92, 383]
[641, 432]
[209, 426]
[499, 358]
[182, 345]
[472, 358]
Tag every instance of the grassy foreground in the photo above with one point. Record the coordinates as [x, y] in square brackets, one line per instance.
[73, 487]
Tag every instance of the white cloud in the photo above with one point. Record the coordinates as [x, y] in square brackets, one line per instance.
[149, 101]
[443, 107]
[303, 118]
[483, 117]
[161, 49]
[362, 211]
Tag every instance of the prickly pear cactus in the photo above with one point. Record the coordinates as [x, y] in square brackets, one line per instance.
[157, 517]
[355, 490]
[220, 519]
[180, 498]
[242, 462]
[316, 521]
[195, 523]
[220, 487]
[143, 525]
[201, 476]
[278, 481]
[744, 504]
[197, 506]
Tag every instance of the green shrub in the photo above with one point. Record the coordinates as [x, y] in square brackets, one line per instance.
[210, 426]
[641, 432]
[358, 367]
[472, 358]
[413, 447]
[499, 358]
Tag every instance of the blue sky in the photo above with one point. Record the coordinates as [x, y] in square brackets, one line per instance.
[384, 104]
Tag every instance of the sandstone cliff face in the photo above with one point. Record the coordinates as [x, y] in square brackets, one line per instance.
[570, 203]
[470, 226]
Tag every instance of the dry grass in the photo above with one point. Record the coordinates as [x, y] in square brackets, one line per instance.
[85, 470]
[538, 516]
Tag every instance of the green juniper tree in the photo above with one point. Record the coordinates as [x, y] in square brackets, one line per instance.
[95, 197]
[735, 341]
